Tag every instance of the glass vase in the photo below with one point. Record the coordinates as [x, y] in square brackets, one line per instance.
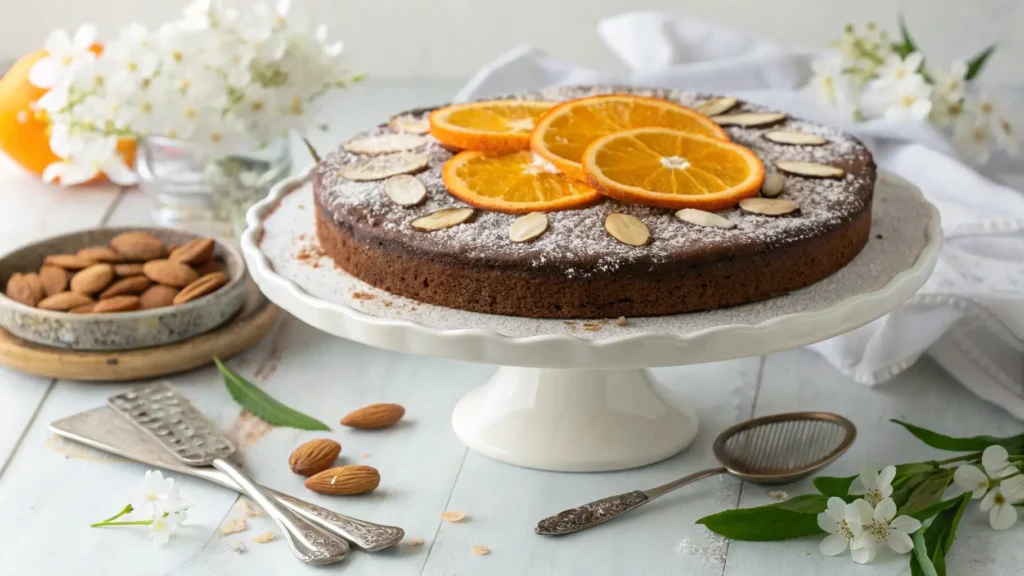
[208, 195]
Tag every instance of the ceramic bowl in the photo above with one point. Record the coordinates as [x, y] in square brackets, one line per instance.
[120, 330]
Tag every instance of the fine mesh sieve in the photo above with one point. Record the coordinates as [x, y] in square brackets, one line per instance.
[774, 449]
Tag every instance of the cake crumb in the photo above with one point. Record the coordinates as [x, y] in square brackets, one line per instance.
[779, 495]
[245, 507]
[302, 206]
[264, 538]
[452, 516]
[591, 326]
[621, 321]
[878, 236]
[416, 541]
[239, 547]
[234, 526]
[363, 296]
[480, 550]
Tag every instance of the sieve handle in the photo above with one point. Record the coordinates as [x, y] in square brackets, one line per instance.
[666, 488]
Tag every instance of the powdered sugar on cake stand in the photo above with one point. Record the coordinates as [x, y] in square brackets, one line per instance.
[572, 395]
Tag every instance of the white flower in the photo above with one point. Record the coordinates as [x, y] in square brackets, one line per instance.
[950, 85]
[972, 480]
[88, 159]
[879, 527]
[842, 531]
[971, 137]
[945, 113]
[996, 461]
[910, 97]
[163, 526]
[833, 87]
[875, 486]
[62, 52]
[988, 110]
[999, 503]
[895, 69]
[156, 490]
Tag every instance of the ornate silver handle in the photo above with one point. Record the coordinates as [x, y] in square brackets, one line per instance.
[310, 543]
[366, 536]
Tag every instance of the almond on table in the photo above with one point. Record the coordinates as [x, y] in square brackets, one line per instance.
[314, 456]
[353, 479]
[374, 416]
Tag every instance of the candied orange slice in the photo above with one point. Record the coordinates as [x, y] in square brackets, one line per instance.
[566, 130]
[493, 126]
[672, 169]
[513, 183]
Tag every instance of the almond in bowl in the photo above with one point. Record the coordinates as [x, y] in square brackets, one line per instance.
[119, 288]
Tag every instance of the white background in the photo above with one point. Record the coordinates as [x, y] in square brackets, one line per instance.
[452, 38]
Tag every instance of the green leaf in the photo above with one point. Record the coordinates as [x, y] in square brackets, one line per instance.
[794, 518]
[312, 151]
[1013, 444]
[927, 492]
[924, 563]
[906, 44]
[975, 65]
[262, 405]
[926, 513]
[833, 485]
[939, 535]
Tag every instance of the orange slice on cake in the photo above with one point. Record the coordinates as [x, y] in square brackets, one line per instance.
[494, 126]
[672, 169]
[513, 183]
[563, 134]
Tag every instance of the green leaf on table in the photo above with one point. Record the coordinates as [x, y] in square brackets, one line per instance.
[924, 563]
[794, 518]
[928, 492]
[262, 405]
[905, 486]
[1013, 444]
[939, 535]
[926, 513]
[312, 151]
[976, 64]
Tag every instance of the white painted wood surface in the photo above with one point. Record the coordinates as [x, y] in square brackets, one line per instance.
[50, 490]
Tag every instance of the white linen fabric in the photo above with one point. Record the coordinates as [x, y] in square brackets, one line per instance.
[970, 314]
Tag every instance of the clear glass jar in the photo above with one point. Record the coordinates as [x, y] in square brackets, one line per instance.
[203, 194]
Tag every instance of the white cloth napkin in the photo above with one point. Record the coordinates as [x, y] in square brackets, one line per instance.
[970, 314]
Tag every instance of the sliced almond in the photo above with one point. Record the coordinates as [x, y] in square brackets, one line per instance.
[452, 516]
[768, 206]
[415, 541]
[480, 550]
[385, 144]
[749, 119]
[811, 169]
[410, 124]
[528, 227]
[773, 185]
[796, 138]
[386, 166]
[627, 229]
[702, 218]
[405, 190]
[443, 218]
[717, 106]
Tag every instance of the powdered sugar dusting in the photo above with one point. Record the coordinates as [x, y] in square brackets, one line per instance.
[576, 243]
[711, 549]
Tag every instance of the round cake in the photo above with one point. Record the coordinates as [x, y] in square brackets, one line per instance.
[576, 269]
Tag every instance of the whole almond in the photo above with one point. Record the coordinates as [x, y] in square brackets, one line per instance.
[194, 252]
[64, 301]
[25, 288]
[127, 270]
[138, 246]
[69, 261]
[93, 279]
[201, 287]
[117, 304]
[374, 416]
[209, 267]
[83, 309]
[100, 254]
[169, 273]
[355, 479]
[157, 296]
[55, 279]
[314, 456]
[133, 285]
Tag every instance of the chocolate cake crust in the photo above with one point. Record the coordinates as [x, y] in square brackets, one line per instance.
[575, 270]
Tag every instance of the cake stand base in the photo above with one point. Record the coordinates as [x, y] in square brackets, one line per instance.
[571, 420]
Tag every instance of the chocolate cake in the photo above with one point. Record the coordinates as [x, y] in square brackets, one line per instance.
[576, 269]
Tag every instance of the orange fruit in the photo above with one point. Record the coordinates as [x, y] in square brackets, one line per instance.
[672, 169]
[566, 130]
[513, 183]
[493, 126]
[24, 132]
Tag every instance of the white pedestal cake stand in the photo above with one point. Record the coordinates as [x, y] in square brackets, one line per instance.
[575, 396]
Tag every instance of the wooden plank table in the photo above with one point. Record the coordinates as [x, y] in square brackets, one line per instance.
[50, 490]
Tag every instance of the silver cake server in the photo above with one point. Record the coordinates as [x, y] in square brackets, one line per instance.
[105, 430]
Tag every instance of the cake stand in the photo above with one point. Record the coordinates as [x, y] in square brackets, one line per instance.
[575, 395]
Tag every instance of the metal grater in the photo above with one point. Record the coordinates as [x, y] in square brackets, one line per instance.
[171, 419]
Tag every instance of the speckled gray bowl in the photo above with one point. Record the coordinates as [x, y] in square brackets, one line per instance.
[121, 330]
